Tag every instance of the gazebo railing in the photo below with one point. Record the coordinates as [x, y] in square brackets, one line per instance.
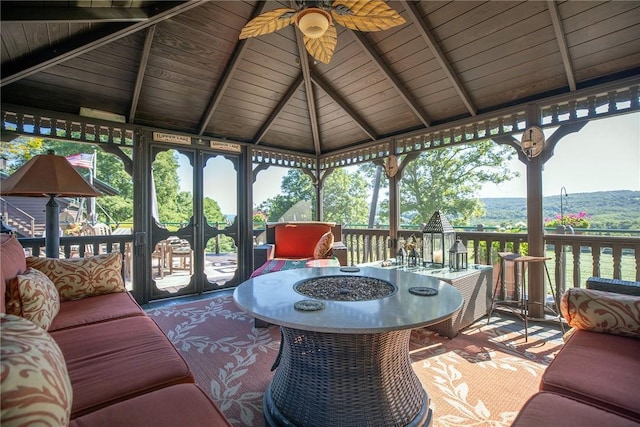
[574, 257]
[80, 246]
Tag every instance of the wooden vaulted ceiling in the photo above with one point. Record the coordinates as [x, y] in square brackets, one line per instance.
[179, 66]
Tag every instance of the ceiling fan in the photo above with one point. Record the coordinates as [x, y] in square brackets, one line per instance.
[316, 21]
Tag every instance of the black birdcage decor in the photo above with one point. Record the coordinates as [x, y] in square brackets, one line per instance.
[458, 256]
[437, 237]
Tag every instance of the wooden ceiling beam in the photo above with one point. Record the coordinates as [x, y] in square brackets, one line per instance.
[397, 84]
[142, 67]
[562, 43]
[318, 81]
[308, 88]
[276, 111]
[39, 14]
[433, 45]
[42, 59]
[229, 71]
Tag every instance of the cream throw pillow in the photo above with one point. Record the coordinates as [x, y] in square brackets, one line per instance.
[36, 389]
[601, 311]
[78, 278]
[33, 296]
[324, 245]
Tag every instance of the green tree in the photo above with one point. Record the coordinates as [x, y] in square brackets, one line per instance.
[173, 207]
[296, 189]
[344, 198]
[20, 150]
[212, 211]
[448, 179]
[109, 170]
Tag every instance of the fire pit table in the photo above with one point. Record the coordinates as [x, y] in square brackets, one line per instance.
[344, 358]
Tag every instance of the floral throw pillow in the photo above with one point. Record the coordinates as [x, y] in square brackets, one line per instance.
[601, 311]
[33, 295]
[324, 245]
[36, 389]
[82, 277]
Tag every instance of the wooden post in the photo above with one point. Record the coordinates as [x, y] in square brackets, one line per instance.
[535, 236]
[245, 209]
[141, 251]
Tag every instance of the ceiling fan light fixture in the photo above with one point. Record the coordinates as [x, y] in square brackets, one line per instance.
[313, 22]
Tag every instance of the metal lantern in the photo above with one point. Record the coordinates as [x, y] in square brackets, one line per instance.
[401, 256]
[437, 237]
[413, 256]
[458, 256]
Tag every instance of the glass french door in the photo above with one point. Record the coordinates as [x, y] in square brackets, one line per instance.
[194, 228]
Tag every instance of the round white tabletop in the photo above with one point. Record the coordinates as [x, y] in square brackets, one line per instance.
[271, 297]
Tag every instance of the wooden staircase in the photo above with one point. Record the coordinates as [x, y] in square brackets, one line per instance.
[27, 215]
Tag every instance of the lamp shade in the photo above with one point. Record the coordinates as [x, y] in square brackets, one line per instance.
[47, 175]
[313, 22]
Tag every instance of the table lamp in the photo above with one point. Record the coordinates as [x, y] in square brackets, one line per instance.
[48, 175]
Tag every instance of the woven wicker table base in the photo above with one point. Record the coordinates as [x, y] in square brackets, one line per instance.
[333, 379]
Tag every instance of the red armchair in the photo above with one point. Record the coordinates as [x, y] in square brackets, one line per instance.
[298, 240]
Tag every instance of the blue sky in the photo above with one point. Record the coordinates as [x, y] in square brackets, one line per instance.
[604, 155]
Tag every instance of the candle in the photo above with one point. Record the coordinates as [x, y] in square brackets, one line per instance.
[437, 257]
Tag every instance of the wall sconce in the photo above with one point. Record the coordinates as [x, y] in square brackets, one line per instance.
[532, 142]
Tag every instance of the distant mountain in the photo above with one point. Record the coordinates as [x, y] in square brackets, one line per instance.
[608, 209]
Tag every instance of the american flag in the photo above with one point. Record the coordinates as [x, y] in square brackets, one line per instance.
[81, 160]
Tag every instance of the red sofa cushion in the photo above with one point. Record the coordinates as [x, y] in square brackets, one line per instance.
[95, 309]
[549, 409]
[599, 369]
[178, 405]
[112, 361]
[12, 263]
[298, 240]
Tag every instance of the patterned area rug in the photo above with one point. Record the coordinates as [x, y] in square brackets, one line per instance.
[480, 378]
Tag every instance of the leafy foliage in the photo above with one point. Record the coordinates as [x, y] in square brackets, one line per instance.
[345, 198]
[296, 200]
[579, 220]
[110, 171]
[448, 179]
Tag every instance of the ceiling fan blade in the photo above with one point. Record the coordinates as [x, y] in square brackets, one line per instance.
[323, 47]
[365, 15]
[268, 22]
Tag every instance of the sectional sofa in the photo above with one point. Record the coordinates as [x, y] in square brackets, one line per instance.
[594, 380]
[78, 350]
